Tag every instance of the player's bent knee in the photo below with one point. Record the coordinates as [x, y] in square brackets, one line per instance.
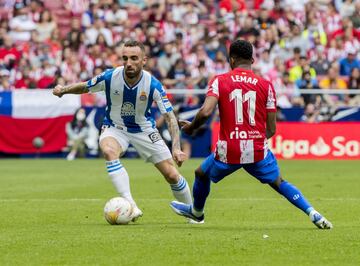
[199, 174]
[276, 184]
[110, 153]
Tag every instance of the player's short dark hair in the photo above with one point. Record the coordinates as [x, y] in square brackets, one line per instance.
[241, 49]
[133, 43]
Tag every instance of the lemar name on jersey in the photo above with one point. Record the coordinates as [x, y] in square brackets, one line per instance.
[245, 79]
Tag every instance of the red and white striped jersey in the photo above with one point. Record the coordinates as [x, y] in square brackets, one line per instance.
[244, 99]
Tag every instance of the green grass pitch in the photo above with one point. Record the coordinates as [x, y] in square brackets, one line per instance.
[51, 213]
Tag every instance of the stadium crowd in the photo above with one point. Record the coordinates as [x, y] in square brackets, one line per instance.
[299, 44]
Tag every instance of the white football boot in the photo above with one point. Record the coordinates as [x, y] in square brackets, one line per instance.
[136, 213]
[191, 221]
[319, 220]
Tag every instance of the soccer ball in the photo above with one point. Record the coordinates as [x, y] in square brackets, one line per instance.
[118, 211]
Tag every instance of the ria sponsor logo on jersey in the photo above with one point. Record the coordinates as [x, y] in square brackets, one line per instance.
[245, 79]
[236, 134]
[127, 109]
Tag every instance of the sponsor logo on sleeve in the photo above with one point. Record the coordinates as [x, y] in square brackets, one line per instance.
[93, 81]
[270, 104]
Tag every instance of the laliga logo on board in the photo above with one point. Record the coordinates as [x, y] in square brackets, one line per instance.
[338, 147]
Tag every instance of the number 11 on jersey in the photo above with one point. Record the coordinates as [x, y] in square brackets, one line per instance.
[239, 100]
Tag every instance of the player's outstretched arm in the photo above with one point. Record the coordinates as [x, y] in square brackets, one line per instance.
[172, 123]
[202, 116]
[76, 88]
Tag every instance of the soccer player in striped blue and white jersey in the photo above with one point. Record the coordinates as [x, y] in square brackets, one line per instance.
[130, 92]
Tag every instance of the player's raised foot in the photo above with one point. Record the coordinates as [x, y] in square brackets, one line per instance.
[185, 210]
[136, 214]
[319, 220]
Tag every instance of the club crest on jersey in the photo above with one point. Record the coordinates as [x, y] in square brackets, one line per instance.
[127, 109]
[143, 96]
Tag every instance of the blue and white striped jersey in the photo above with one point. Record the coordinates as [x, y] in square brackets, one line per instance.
[129, 106]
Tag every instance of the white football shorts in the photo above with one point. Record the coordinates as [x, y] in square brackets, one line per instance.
[149, 144]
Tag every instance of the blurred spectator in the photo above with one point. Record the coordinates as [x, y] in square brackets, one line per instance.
[47, 75]
[307, 83]
[264, 63]
[9, 54]
[314, 30]
[319, 61]
[77, 132]
[354, 84]
[167, 59]
[286, 92]
[92, 33]
[45, 26]
[347, 8]
[4, 80]
[296, 72]
[280, 117]
[36, 7]
[355, 18]
[177, 78]
[229, 6]
[21, 24]
[88, 17]
[348, 63]
[152, 68]
[297, 39]
[335, 51]
[248, 29]
[311, 114]
[152, 41]
[354, 79]
[132, 4]
[77, 7]
[75, 37]
[332, 80]
[24, 80]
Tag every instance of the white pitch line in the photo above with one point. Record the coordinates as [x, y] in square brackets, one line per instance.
[214, 199]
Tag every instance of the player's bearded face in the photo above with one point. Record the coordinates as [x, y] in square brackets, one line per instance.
[134, 60]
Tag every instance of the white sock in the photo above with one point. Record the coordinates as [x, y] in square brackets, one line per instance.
[181, 191]
[120, 179]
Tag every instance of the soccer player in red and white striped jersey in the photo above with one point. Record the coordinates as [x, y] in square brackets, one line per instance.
[247, 108]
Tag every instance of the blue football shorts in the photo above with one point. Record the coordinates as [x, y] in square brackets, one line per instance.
[266, 171]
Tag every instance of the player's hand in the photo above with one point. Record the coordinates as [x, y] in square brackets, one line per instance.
[57, 91]
[185, 127]
[179, 157]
